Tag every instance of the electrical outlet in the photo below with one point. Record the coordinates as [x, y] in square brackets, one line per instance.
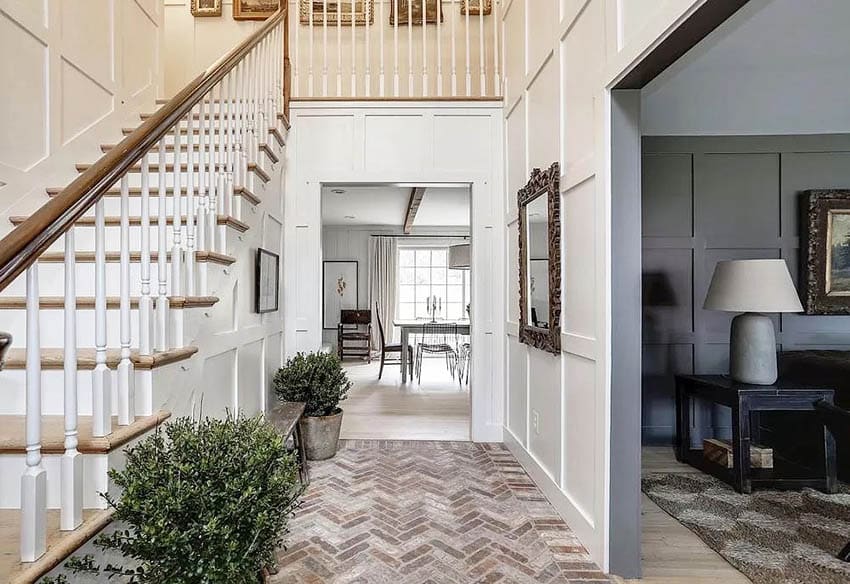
[535, 421]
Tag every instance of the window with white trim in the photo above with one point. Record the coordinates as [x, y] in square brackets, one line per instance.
[423, 273]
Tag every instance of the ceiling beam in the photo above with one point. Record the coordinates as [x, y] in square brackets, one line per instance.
[416, 196]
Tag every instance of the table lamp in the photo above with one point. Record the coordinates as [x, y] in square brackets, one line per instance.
[752, 287]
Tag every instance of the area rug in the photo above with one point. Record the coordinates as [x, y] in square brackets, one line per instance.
[772, 537]
[401, 512]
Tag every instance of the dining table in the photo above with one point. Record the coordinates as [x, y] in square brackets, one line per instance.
[416, 326]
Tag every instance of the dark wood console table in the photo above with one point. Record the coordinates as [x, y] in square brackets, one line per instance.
[746, 402]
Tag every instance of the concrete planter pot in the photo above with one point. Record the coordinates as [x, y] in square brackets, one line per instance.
[321, 435]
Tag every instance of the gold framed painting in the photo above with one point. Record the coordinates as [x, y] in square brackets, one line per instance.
[206, 7]
[410, 11]
[254, 9]
[337, 10]
[476, 6]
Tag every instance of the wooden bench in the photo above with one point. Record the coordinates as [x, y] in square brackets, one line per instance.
[285, 417]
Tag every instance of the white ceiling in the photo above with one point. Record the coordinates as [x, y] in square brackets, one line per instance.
[387, 206]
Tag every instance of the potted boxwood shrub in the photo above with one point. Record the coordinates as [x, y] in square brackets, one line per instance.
[202, 501]
[318, 380]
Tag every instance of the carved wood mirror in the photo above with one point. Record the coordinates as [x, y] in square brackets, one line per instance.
[539, 204]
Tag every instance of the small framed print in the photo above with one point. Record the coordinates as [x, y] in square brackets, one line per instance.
[410, 12]
[206, 7]
[475, 7]
[363, 12]
[254, 9]
[267, 281]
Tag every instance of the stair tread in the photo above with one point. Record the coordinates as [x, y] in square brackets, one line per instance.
[54, 358]
[169, 167]
[171, 147]
[136, 220]
[112, 302]
[60, 544]
[154, 192]
[87, 257]
[13, 433]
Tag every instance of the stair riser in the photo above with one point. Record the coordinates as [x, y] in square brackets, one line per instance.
[13, 384]
[51, 280]
[85, 238]
[95, 479]
[51, 327]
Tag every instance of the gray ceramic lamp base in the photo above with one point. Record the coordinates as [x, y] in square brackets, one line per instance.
[752, 349]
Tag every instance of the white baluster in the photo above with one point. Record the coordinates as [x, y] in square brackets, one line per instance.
[497, 81]
[425, 46]
[483, 80]
[324, 50]
[454, 54]
[440, 55]
[354, 52]
[409, 48]
[296, 54]
[212, 178]
[338, 48]
[221, 178]
[71, 484]
[101, 376]
[190, 206]
[368, 15]
[230, 154]
[176, 314]
[162, 303]
[144, 378]
[203, 192]
[311, 28]
[395, 49]
[126, 377]
[34, 479]
[468, 42]
[381, 71]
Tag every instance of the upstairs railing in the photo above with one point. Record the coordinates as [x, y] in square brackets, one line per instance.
[415, 49]
[200, 150]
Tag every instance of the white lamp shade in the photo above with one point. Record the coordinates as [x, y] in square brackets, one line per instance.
[459, 257]
[752, 286]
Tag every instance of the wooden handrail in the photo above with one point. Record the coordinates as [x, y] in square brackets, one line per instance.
[23, 245]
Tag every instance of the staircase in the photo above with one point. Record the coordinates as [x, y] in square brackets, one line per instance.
[107, 288]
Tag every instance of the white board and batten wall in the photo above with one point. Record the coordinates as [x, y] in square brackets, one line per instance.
[562, 59]
[400, 142]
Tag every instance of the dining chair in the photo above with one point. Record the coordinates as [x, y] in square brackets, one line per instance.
[391, 348]
[354, 334]
[464, 354]
[437, 338]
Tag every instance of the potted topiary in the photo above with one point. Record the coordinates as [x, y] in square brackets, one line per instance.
[201, 501]
[318, 380]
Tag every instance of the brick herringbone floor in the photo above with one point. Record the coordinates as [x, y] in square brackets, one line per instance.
[428, 512]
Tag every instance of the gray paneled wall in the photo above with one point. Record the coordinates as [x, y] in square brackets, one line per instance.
[710, 198]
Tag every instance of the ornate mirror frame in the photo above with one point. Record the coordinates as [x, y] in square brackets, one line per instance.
[542, 183]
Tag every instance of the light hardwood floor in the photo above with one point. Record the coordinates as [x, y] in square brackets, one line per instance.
[436, 409]
[672, 553]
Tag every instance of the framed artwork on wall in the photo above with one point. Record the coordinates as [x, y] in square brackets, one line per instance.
[339, 290]
[476, 6]
[254, 9]
[267, 281]
[410, 11]
[337, 11]
[825, 251]
[206, 7]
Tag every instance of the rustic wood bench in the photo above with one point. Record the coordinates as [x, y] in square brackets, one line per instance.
[285, 416]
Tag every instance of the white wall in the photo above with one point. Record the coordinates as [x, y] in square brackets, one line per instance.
[561, 59]
[368, 143]
[73, 73]
[775, 67]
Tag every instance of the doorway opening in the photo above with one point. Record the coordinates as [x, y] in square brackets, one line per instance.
[396, 307]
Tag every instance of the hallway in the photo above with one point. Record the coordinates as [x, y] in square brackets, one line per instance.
[428, 512]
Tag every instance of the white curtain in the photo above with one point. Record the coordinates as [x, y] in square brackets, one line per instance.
[383, 286]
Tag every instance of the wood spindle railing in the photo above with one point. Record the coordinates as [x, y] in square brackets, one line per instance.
[71, 471]
[126, 378]
[101, 376]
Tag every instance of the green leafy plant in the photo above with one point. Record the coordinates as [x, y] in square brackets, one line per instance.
[203, 502]
[315, 378]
